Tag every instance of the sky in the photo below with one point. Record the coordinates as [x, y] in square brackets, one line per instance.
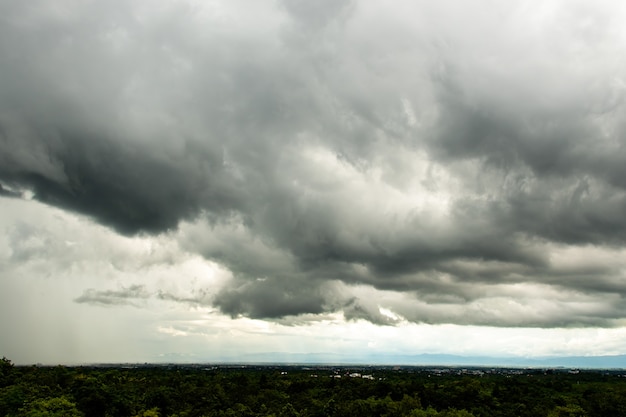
[186, 180]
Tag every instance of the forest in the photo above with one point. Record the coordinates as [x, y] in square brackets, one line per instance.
[307, 390]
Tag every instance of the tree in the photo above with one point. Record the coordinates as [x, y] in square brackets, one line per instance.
[288, 411]
[571, 410]
[50, 407]
[6, 371]
[153, 412]
[11, 399]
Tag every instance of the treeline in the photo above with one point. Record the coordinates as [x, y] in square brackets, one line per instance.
[187, 391]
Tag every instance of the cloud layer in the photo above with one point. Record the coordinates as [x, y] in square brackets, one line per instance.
[426, 163]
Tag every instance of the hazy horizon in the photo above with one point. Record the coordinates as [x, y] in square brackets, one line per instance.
[326, 359]
[208, 178]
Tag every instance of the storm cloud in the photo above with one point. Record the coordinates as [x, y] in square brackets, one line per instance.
[437, 163]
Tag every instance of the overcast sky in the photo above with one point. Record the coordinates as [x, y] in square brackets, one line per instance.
[189, 179]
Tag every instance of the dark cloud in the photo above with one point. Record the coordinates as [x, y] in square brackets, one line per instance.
[331, 142]
[260, 299]
[131, 194]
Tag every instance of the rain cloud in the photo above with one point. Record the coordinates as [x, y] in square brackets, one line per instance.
[437, 163]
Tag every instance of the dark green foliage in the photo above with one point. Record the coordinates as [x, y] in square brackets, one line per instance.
[195, 391]
[6, 372]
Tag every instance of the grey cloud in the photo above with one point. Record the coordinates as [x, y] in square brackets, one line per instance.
[259, 298]
[200, 297]
[396, 148]
[4, 192]
[355, 309]
[317, 14]
[542, 315]
[124, 296]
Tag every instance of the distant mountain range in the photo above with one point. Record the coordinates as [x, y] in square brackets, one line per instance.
[598, 362]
